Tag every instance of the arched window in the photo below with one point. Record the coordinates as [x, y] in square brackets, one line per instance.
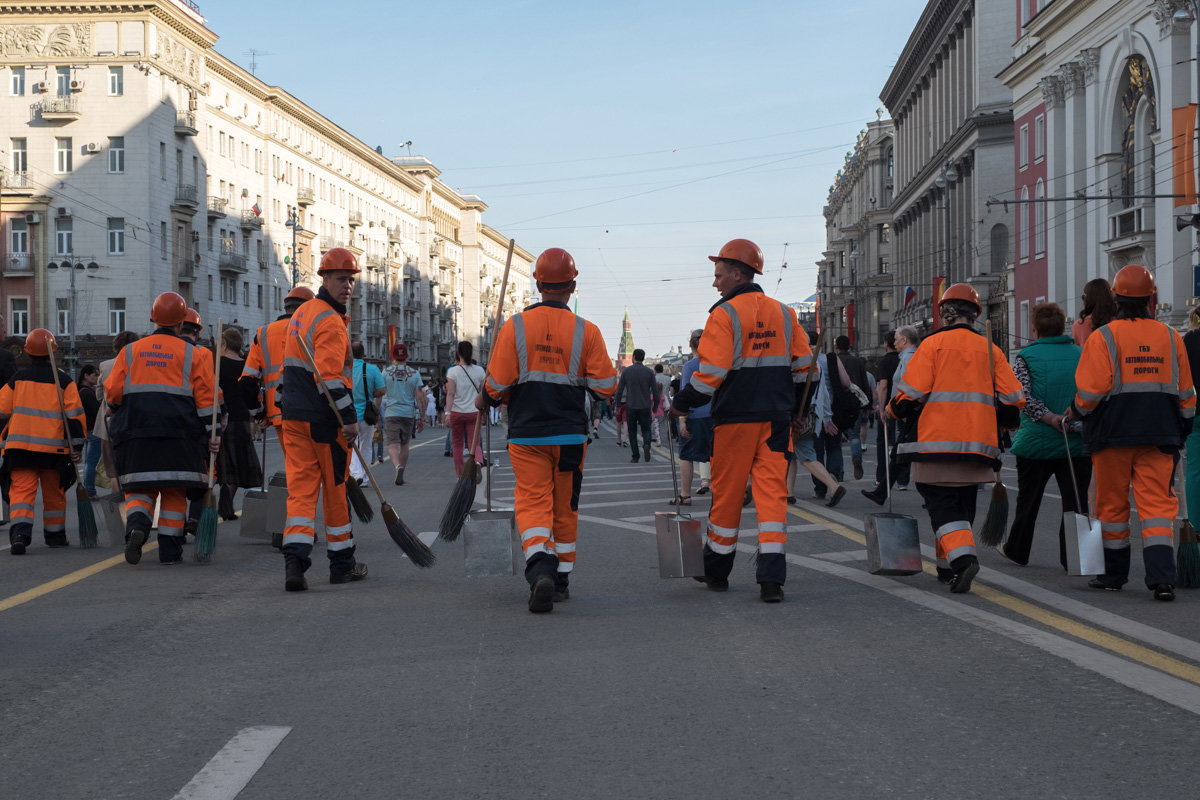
[1039, 219]
[1024, 224]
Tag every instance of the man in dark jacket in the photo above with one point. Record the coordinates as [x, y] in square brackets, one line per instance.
[640, 392]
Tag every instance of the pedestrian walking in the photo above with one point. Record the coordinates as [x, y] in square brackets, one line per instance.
[1191, 343]
[805, 431]
[37, 451]
[1099, 309]
[852, 374]
[1046, 370]
[660, 407]
[753, 353]
[464, 382]
[620, 412]
[316, 441]
[237, 463]
[695, 434]
[431, 411]
[640, 392]
[1135, 395]
[161, 394]
[377, 439]
[963, 396]
[544, 360]
[368, 389]
[595, 414]
[106, 367]
[405, 397]
[86, 384]
[885, 431]
[827, 436]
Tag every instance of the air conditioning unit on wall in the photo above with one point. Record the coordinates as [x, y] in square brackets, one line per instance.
[76, 86]
[93, 147]
[33, 218]
[64, 211]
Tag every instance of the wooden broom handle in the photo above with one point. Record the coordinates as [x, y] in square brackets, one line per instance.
[495, 331]
[62, 410]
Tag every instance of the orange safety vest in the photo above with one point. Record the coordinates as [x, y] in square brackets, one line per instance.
[322, 325]
[544, 359]
[264, 366]
[34, 420]
[1134, 386]
[753, 353]
[948, 375]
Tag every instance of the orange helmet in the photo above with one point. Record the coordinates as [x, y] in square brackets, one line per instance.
[192, 317]
[1133, 280]
[338, 259]
[300, 294]
[555, 266]
[965, 293]
[39, 342]
[743, 250]
[168, 310]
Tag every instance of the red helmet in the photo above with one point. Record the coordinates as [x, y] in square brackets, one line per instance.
[399, 352]
[742, 250]
[965, 293]
[339, 259]
[192, 317]
[555, 266]
[301, 293]
[39, 342]
[168, 310]
[1133, 280]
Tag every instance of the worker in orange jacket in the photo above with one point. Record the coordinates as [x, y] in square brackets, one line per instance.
[36, 449]
[190, 330]
[753, 356]
[1135, 396]
[315, 440]
[960, 397]
[544, 361]
[161, 394]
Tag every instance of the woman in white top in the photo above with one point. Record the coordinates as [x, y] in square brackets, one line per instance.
[464, 382]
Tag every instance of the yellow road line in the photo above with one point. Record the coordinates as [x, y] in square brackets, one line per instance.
[67, 580]
[1107, 641]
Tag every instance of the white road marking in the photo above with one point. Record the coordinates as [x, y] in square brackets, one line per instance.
[233, 767]
[845, 555]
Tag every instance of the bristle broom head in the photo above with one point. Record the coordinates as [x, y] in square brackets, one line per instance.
[1187, 560]
[206, 535]
[996, 521]
[403, 536]
[88, 532]
[358, 501]
[457, 509]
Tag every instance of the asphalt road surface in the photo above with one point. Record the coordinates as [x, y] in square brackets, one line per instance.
[211, 682]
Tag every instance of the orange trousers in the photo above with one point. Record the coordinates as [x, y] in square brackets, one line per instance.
[317, 461]
[23, 495]
[172, 514]
[757, 452]
[548, 479]
[1151, 474]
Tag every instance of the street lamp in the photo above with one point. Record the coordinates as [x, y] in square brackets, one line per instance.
[293, 222]
[944, 181]
[92, 266]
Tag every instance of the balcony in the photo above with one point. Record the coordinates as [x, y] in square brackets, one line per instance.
[354, 219]
[251, 221]
[411, 271]
[328, 243]
[185, 124]
[186, 270]
[394, 234]
[186, 198]
[18, 264]
[305, 196]
[15, 182]
[216, 207]
[396, 300]
[373, 262]
[375, 327]
[58, 109]
[230, 261]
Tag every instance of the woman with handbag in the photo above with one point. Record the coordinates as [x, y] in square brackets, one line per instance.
[368, 389]
[464, 382]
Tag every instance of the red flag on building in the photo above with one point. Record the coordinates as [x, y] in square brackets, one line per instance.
[850, 322]
[1183, 123]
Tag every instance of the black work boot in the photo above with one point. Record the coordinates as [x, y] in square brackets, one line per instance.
[646, 453]
[294, 580]
[965, 570]
[770, 592]
[356, 573]
[541, 594]
[562, 590]
[133, 544]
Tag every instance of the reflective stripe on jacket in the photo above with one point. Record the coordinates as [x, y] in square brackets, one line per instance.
[263, 373]
[948, 377]
[29, 402]
[1134, 386]
[322, 324]
[752, 354]
[544, 361]
[161, 387]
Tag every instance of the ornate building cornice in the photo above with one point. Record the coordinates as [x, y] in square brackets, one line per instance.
[1071, 76]
[1089, 61]
[1052, 90]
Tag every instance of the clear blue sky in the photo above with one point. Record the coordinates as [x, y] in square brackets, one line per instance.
[639, 136]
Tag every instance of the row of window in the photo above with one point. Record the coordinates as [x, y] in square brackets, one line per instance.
[1039, 142]
[1033, 214]
[18, 316]
[64, 236]
[64, 83]
[64, 154]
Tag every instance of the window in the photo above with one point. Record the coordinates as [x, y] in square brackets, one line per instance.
[116, 236]
[246, 293]
[18, 308]
[63, 236]
[16, 86]
[1023, 235]
[62, 307]
[116, 154]
[62, 154]
[1039, 220]
[210, 281]
[62, 81]
[162, 240]
[19, 238]
[1039, 138]
[260, 296]
[20, 155]
[1023, 154]
[116, 315]
[116, 81]
[162, 160]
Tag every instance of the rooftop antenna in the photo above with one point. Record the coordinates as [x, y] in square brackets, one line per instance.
[407, 144]
[254, 55]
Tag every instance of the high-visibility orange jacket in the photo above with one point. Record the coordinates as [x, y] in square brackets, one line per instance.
[263, 373]
[161, 393]
[29, 407]
[321, 322]
[960, 404]
[753, 358]
[1134, 386]
[544, 360]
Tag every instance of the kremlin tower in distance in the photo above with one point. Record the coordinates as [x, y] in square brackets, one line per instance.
[625, 349]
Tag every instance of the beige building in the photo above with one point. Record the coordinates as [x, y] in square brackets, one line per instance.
[141, 157]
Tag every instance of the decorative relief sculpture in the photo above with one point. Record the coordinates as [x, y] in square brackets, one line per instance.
[1052, 90]
[46, 41]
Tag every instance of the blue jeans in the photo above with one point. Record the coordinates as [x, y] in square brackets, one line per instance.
[91, 457]
[829, 452]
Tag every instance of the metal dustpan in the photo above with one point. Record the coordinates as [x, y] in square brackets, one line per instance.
[1084, 540]
[893, 544]
[253, 519]
[680, 537]
[490, 538]
[110, 507]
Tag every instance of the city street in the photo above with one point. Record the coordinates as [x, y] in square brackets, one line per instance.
[133, 682]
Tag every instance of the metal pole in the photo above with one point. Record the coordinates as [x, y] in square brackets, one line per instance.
[74, 354]
[946, 206]
[295, 269]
